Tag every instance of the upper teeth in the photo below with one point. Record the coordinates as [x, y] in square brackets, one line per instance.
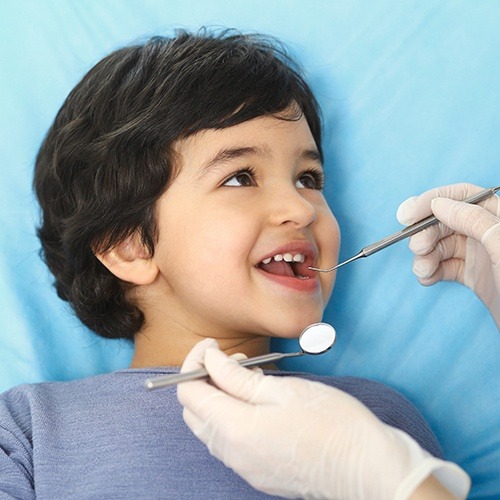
[287, 257]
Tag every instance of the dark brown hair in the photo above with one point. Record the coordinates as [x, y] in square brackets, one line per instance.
[107, 157]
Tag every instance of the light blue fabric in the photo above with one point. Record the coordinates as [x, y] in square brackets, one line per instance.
[410, 96]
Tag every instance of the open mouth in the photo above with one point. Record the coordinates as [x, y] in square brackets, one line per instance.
[292, 265]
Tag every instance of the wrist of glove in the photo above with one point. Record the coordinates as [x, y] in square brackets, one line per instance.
[464, 247]
[292, 437]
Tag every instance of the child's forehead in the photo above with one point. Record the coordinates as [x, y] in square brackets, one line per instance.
[261, 139]
[256, 136]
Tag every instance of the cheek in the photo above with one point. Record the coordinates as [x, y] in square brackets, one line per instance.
[207, 243]
[327, 232]
[327, 282]
[329, 245]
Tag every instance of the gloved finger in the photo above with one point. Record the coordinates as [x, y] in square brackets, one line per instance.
[195, 423]
[239, 356]
[207, 403]
[219, 423]
[448, 270]
[454, 246]
[424, 242]
[471, 220]
[418, 207]
[196, 392]
[216, 430]
[194, 359]
[233, 378]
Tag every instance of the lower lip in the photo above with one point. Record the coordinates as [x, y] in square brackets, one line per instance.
[297, 284]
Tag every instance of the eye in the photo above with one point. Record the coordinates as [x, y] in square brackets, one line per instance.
[242, 178]
[311, 179]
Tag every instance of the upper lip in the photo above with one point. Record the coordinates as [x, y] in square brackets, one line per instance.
[304, 247]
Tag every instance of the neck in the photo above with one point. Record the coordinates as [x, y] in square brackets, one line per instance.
[170, 333]
[170, 348]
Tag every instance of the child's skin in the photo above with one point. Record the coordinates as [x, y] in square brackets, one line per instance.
[217, 221]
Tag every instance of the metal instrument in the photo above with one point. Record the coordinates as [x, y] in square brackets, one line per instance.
[406, 232]
[315, 339]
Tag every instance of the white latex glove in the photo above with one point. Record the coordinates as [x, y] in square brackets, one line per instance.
[465, 247]
[297, 438]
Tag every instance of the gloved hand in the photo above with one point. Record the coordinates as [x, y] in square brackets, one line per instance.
[293, 437]
[465, 247]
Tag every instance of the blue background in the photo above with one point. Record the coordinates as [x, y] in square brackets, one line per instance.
[410, 94]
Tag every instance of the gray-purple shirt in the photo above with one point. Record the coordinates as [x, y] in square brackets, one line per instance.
[108, 437]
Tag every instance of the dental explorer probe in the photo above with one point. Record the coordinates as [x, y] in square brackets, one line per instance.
[407, 232]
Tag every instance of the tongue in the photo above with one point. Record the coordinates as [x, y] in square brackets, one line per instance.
[282, 268]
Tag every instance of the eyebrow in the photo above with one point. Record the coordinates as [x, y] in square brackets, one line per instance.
[311, 154]
[228, 154]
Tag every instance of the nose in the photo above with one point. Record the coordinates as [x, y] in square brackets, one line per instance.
[291, 207]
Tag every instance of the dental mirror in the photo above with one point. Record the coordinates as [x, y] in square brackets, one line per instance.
[315, 339]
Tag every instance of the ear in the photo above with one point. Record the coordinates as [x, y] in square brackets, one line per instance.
[130, 261]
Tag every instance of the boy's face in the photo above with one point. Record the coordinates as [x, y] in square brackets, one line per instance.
[244, 195]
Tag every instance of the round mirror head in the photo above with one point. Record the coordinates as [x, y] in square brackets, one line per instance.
[317, 338]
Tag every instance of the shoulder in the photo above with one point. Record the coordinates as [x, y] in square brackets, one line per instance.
[380, 398]
[22, 402]
[16, 444]
[388, 405]
[28, 406]
[373, 394]
[27, 411]
[15, 406]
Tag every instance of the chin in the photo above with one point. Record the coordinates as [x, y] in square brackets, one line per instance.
[293, 328]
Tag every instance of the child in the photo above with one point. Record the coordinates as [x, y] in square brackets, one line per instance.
[181, 196]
